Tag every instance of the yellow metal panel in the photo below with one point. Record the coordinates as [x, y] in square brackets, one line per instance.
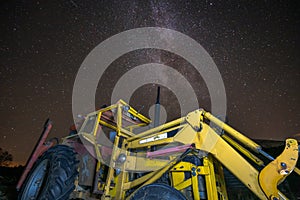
[211, 187]
[195, 187]
[203, 170]
[183, 166]
[194, 118]
[210, 141]
[183, 184]
[277, 170]
[157, 129]
[177, 175]
[141, 164]
[114, 192]
[122, 177]
[110, 175]
[136, 144]
[186, 135]
[177, 178]
[119, 188]
[221, 180]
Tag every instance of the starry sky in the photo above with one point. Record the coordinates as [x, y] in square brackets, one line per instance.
[255, 45]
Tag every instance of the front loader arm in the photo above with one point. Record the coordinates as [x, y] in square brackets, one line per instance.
[264, 183]
[208, 140]
[277, 170]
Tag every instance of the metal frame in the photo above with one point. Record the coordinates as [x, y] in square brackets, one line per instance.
[192, 130]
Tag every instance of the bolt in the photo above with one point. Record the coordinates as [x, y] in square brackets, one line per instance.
[117, 171]
[283, 165]
[122, 158]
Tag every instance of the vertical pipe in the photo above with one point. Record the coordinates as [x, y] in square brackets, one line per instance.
[157, 108]
[156, 113]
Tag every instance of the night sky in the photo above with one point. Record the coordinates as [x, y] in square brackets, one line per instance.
[255, 45]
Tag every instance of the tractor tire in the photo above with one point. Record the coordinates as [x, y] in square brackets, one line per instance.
[156, 191]
[52, 176]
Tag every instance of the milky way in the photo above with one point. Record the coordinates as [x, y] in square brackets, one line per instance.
[255, 46]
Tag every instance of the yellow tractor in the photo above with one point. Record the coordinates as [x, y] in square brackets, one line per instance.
[115, 155]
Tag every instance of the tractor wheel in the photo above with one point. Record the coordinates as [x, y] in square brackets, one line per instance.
[52, 176]
[157, 191]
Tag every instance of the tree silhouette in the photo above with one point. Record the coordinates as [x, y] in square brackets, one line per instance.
[5, 158]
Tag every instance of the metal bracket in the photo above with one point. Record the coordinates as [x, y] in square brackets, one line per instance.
[194, 119]
[277, 170]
